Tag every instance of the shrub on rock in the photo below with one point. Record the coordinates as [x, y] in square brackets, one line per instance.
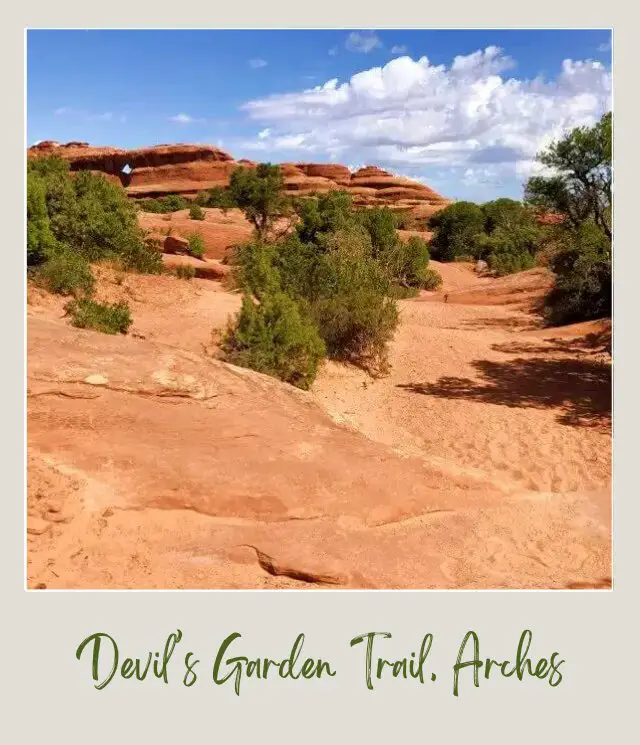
[109, 318]
[275, 338]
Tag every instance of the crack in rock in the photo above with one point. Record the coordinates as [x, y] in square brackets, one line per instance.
[277, 569]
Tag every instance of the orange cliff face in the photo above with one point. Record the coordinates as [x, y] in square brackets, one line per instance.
[188, 169]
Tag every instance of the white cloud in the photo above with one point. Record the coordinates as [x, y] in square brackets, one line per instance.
[182, 119]
[62, 110]
[362, 41]
[606, 47]
[411, 113]
[264, 133]
[399, 49]
[185, 119]
[333, 51]
[256, 64]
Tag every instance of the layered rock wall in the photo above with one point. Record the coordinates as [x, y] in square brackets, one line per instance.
[187, 169]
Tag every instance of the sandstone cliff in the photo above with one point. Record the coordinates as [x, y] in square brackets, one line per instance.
[188, 169]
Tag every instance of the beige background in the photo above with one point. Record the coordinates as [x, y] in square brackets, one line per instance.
[48, 696]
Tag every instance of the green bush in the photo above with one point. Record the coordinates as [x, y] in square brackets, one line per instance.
[258, 193]
[40, 239]
[163, 205]
[196, 212]
[334, 275]
[320, 216]
[408, 262]
[432, 280]
[503, 232]
[108, 318]
[510, 263]
[579, 187]
[583, 277]
[380, 223]
[196, 245]
[219, 197]
[150, 205]
[66, 273]
[356, 315]
[87, 214]
[184, 271]
[275, 338]
[504, 212]
[404, 221]
[457, 228]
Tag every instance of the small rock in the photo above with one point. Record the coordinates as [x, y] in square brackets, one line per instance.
[108, 512]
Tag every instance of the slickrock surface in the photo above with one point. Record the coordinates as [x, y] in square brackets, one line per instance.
[481, 461]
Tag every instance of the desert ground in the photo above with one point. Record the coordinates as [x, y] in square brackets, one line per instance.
[482, 460]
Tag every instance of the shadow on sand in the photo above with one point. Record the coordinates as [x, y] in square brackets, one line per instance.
[591, 343]
[579, 389]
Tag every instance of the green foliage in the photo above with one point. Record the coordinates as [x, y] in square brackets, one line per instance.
[512, 237]
[255, 272]
[66, 273]
[184, 271]
[144, 257]
[432, 280]
[403, 219]
[580, 184]
[509, 263]
[196, 212]
[257, 192]
[503, 232]
[583, 277]
[328, 268]
[579, 188]
[150, 205]
[87, 214]
[108, 318]
[408, 262]
[275, 338]
[457, 228]
[219, 197]
[504, 213]
[40, 239]
[380, 223]
[196, 245]
[163, 205]
[323, 215]
[355, 313]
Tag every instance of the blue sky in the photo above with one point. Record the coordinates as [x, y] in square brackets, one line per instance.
[465, 111]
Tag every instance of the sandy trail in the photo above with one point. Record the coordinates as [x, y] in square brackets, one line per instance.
[472, 388]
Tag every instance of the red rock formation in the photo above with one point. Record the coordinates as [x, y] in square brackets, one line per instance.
[188, 169]
[175, 244]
